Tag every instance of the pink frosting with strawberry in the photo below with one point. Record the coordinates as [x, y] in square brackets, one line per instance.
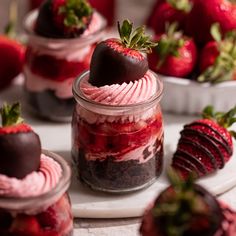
[122, 94]
[35, 183]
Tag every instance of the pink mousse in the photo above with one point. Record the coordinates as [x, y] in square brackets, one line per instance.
[35, 183]
[122, 94]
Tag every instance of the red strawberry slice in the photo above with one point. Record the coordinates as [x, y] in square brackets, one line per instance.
[205, 145]
[63, 18]
[19, 144]
[48, 219]
[120, 60]
[174, 55]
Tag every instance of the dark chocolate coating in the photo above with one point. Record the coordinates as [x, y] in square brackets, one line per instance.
[215, 217]
[111, 67]
[20, 154]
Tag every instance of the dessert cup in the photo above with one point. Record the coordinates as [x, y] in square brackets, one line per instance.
[44, 215]
[53, 63]
[117, 148]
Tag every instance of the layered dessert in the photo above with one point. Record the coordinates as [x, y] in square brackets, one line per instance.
[62, 35]
[185, 209]
[33, 184]
[117, 128]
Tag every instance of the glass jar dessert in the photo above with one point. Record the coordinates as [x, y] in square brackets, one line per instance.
[117, 148]
[25, 212]
[54, 61]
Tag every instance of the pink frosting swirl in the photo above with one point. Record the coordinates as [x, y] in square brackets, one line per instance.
[122, 94]
[35, 183]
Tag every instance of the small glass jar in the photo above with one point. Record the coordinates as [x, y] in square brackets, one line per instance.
[52, 64]
[117, 148]
[48, 214]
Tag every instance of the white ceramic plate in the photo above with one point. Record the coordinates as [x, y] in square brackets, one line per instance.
[190, 97]
[86, 203]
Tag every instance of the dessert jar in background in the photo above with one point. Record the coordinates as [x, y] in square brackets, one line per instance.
[117, 148]
[48, 214]
[53, 63]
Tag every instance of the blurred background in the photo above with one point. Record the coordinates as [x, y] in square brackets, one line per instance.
[135, 10]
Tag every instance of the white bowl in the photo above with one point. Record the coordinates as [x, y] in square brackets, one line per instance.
[190, 97]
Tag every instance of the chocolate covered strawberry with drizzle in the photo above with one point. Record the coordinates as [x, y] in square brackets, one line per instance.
[116, 61]
[183, 209]
[20, 146]
[205, 145]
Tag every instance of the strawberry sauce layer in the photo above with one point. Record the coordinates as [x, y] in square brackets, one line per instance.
[34, 184]
[124, 94]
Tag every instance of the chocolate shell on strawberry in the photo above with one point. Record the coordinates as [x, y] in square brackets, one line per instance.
[187, 209]
[63, 18]
[205, 145]
[115, 61]
[20, 146]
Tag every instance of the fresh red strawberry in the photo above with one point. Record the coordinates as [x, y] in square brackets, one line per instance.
[25, 225]
[168, 11]
[63, 18]
[174, 55]
[205, 145]
[19, 144]
[218, 58]
[183, 208]
[120, 60]
[205, 13]
[12, 52]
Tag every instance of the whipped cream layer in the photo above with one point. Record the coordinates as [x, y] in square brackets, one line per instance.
[122, 94]
[37, 83]
[35, 183]
[119, 95]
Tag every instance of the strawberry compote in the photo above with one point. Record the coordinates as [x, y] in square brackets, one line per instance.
[47, 214]
[117, 148]
[53, 63]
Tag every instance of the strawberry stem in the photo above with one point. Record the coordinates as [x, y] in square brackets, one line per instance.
[181, 5]
[75, 12]
[169, 43]
[224, 119]
[178, 204]
[10, 29]
[135, 39]
[10, 114]
[224, 65]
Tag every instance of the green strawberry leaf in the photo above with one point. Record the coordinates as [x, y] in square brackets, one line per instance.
[11, 114]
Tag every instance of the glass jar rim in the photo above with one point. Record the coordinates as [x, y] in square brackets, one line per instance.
[30, 18]
[78, 95]
[18, 203]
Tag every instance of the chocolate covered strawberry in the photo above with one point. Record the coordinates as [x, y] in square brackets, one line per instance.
[218, 58]
[183, 209]
[169, 11]
[19, 145]
[174, 55]
[63, 18]
[205, 13]
[206, 144]
[121, 60]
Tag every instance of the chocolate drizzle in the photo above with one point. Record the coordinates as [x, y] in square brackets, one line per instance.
[201, 151]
